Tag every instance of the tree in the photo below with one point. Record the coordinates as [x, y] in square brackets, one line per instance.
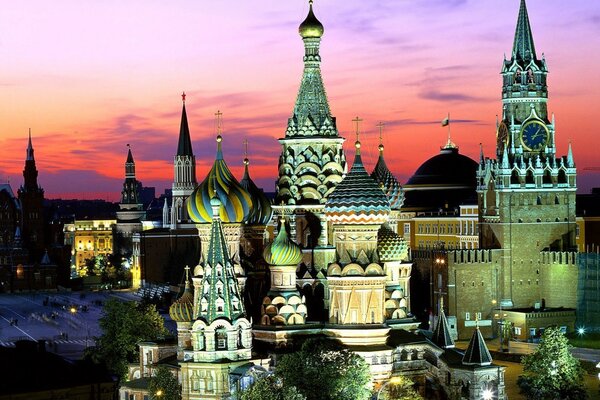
[124, 325]
[270, 387]
[322, 369]
[401, 388]
[164, 385]
[551, 372]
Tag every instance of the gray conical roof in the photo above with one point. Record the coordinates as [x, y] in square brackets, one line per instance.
[441, 333]
[477, 353]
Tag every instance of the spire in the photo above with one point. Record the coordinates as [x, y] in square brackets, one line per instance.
[184, 148]
[477, 353]
[505, 164]
[220, 296]
[219, 121]
[570, 160]
[129, 155]
[481, 156]
[312, 115]
[30, 172]
[441, 333]
[30, 149]
[130, 192]
[523, 47]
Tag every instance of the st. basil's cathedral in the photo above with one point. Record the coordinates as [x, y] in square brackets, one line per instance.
[329, 255]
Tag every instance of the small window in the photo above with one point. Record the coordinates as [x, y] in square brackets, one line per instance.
[478, 316]
[467, 316]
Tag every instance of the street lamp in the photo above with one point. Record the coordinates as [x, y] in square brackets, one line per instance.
[487, 394]
[394, 380]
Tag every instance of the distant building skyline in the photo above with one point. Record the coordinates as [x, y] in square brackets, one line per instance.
[90, 78]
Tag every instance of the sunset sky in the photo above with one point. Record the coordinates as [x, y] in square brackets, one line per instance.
[90, 76]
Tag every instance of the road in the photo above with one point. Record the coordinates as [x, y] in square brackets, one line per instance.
[67, 321]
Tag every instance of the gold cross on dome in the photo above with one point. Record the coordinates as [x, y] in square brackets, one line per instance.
[183, 97]
[219, 116]
[245, 148]
[380, 125]
[357, 121]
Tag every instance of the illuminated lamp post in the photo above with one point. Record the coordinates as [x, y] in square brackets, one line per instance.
[487, 394]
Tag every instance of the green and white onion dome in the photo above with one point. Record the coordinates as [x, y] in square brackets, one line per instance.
[390, 246]
[261, 210]
[236, 202]
[282, 251]
[388, 182]
[357, 199]
[182, 310]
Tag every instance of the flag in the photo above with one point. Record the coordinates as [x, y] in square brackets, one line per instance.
[446, 121]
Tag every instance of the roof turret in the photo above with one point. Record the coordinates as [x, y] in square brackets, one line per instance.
[184, 147]
[357, 199]
[235, 201]
[182, 310]
[311, 27]
[477, 353]
[282, 251]
[441, 334]
[387, 181]
[261, 210]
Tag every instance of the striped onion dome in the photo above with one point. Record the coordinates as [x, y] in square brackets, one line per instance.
[357, 199]
[236, 202]
[183, 308]
[390, 246]
[388, 182]
[282, 251]
[261, 211]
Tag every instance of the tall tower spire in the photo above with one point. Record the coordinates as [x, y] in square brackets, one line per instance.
[184, 177]
[311, 134]
[31, 196]
[523, 46]
[130, 192]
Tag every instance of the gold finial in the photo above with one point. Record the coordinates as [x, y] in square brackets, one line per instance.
[310, 2]
[219, 116]
[380, 125]
[282, 211]
[246, 161]
[183, 97]
[476, 321]
[357, 121]
[442, 303]
[187, 272]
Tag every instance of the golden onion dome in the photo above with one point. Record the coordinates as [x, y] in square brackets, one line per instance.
[311, 27]
[182, 310]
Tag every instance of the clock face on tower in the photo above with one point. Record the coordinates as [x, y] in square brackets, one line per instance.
[502, 136]
[534, 136]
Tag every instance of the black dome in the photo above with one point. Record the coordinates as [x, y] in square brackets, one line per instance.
[445, 181]
[449, 168]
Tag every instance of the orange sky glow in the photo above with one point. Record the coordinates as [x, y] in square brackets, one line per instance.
[88, 77]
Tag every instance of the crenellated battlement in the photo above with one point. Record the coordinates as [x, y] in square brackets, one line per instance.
[559, 257]
[470, 256]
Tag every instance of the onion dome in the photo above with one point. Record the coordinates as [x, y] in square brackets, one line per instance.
[390, 246]
[235, 200]
[261, 211]
[282, 251]
[183, 308]
[388, 182]
[311, 27]
[357, 199]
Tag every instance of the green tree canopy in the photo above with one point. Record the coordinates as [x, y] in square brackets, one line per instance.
[124, 325]
[323, 370]
[551, 372]
[164, 385]
[400, 388]
[270, 387]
